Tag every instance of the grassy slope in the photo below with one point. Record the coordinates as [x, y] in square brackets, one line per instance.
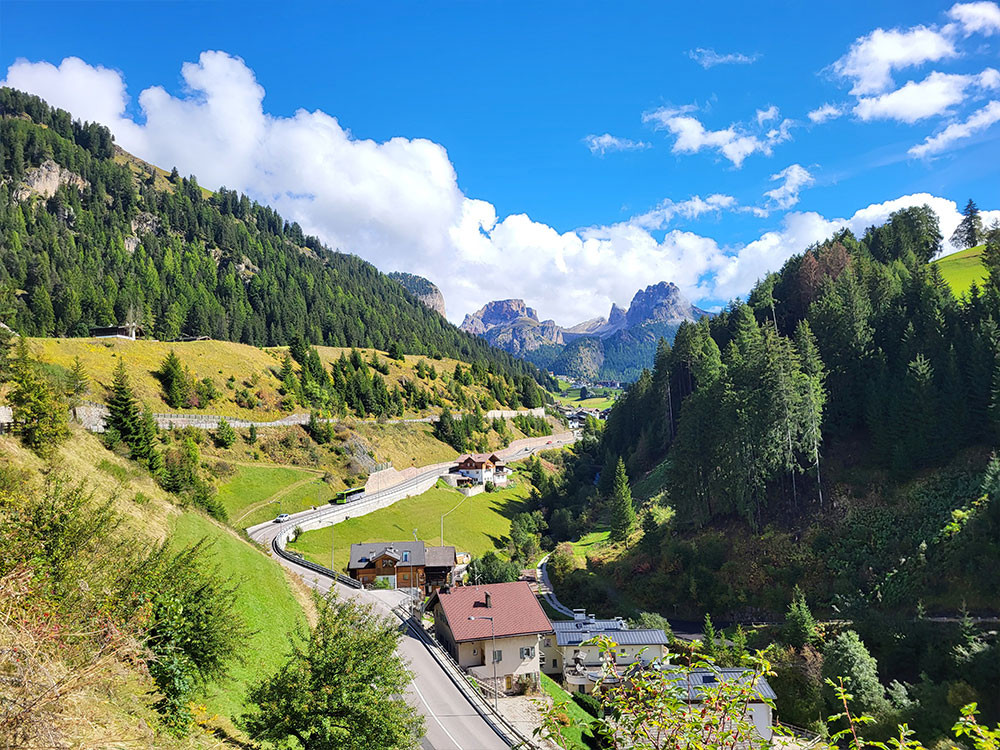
[253, 484]
[573, 736]
[217, 360]
[271, 603]
[480, 524]
[405, 444]
[267, 603]
[963, 268]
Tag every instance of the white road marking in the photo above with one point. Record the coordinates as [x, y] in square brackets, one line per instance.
[435, 716]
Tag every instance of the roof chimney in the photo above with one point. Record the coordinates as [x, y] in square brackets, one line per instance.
[489, 600]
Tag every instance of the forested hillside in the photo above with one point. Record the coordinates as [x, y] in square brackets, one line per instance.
[89, 239]
[831, 436]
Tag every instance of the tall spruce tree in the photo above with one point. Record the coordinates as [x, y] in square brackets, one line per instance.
[970, 229]
[800, 627]
[176, 385]
[622, 509]
[123, 410]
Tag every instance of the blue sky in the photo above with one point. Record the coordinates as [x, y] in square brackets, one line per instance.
[491, 187]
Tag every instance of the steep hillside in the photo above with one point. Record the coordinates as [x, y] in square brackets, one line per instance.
[108, 697]
[247, 379]
[962, 269]
[99, 241]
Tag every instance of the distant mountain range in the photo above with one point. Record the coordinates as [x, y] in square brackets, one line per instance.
[617, 347]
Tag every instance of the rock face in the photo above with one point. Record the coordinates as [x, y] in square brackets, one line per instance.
[616, 347]
[45, 179]
[502, 312]
[660, 303]
[422, 289]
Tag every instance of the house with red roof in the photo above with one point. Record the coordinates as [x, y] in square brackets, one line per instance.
[497, 624]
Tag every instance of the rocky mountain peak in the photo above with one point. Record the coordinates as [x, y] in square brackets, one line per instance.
[661, 303]
[497, 313]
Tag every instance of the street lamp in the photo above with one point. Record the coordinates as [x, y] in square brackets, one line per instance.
[493, 657]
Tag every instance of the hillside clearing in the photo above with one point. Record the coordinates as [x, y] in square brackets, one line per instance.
[480, 524]
[962, 269]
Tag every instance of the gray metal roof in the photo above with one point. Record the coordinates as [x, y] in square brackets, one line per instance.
[362, 554]
[695, 682]
[440, 557]
[576, 631]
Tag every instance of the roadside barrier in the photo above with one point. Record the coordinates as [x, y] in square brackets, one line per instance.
[338, 577]
[463, 681]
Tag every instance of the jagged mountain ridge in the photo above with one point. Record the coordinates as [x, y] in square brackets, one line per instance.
[616, 347]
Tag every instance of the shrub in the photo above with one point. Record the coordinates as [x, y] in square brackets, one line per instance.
[588, 703]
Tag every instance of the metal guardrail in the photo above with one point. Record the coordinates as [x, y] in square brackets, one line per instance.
[338, 577]
[499, 723]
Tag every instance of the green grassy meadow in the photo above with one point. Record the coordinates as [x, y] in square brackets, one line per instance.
[254, 484]
[604, 398]
[963, 268]
[588, 542]
[572, 736]
[481, 523]
[265, 602]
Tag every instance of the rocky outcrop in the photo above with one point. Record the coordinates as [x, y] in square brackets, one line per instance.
[660, 303]
[45, 180]
[421, 288]
[502, 312]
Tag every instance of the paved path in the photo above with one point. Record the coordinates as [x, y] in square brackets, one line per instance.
[545, 588]
[452, 723]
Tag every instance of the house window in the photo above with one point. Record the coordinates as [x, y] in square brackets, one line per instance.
[406, 555]
[555, 662]
[406, 576]
[581, 689]
[475, 651]
[548, 642]
[528, 653]
[497, 656]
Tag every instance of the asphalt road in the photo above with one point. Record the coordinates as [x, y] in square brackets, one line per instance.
[451, 722]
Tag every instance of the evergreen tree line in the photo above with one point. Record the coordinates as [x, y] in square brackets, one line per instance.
[183, 263]
[853, 338]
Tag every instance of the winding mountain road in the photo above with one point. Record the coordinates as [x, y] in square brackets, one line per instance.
[452, 722]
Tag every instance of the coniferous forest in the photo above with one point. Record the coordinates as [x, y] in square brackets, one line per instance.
[183, 262]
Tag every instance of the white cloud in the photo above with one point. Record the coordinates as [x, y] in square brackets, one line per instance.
[766, 115]
[398, 204]
[794, 177]
[824, 113]
[708, 58]
[607, 143]
[935, 95]
[692, 208]
[977, 122]
[733, 142]
[871, 59]
[980, 17]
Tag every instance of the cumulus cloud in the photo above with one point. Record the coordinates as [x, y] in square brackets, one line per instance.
[824, 113]
[793, 178]
[398, 204]
[607, 143]
[957, 131]
[935, 95]
[980, 17]
[872, 59]
[707, 58]
[733, 142]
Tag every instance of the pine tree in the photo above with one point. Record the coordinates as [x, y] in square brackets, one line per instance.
[77, 382]
[175, 381]
[123, 411]
[709, 638]
[39, 415]
[991, 253]
[800, 627]
[622, 509]
[969, 231]
[224, 435]
[252, 436]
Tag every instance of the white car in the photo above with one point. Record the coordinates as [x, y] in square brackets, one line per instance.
[281, 518]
